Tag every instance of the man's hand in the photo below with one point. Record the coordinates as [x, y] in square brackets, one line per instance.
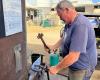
[53, 70]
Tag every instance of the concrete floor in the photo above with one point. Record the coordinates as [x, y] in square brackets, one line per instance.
[51, 35]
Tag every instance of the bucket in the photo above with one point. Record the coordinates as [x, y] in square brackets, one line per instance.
[35, 56]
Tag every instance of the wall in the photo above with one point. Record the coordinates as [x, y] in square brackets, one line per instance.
[7, 54]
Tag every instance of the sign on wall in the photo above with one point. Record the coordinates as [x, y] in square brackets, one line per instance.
[12, 16]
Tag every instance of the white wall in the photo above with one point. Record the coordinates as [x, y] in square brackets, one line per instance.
[43, 3]
[50, 3]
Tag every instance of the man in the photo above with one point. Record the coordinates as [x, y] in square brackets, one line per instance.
[78, 44]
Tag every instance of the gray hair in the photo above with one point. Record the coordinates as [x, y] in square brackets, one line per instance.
[64, 4]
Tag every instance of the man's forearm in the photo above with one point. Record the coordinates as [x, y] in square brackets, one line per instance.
[68, 60]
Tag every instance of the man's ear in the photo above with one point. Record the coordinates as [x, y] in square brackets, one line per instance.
[67, 9]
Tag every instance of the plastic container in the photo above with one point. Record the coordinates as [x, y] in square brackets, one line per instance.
[54, 59]
[46, 23]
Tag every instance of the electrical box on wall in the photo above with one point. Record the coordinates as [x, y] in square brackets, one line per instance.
[18, 57]
[10, 17]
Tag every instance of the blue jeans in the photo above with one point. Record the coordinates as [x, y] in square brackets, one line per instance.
[80, 74]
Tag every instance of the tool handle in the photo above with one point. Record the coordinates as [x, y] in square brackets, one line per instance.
[40, 36]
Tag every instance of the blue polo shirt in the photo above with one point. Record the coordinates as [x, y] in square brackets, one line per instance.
[80, 36]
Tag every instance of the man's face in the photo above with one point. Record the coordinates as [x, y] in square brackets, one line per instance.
[63, 14]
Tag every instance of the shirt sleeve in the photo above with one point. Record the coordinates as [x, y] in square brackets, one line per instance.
[79, 39]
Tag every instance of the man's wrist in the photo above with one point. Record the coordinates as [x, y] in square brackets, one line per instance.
[58, 67]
